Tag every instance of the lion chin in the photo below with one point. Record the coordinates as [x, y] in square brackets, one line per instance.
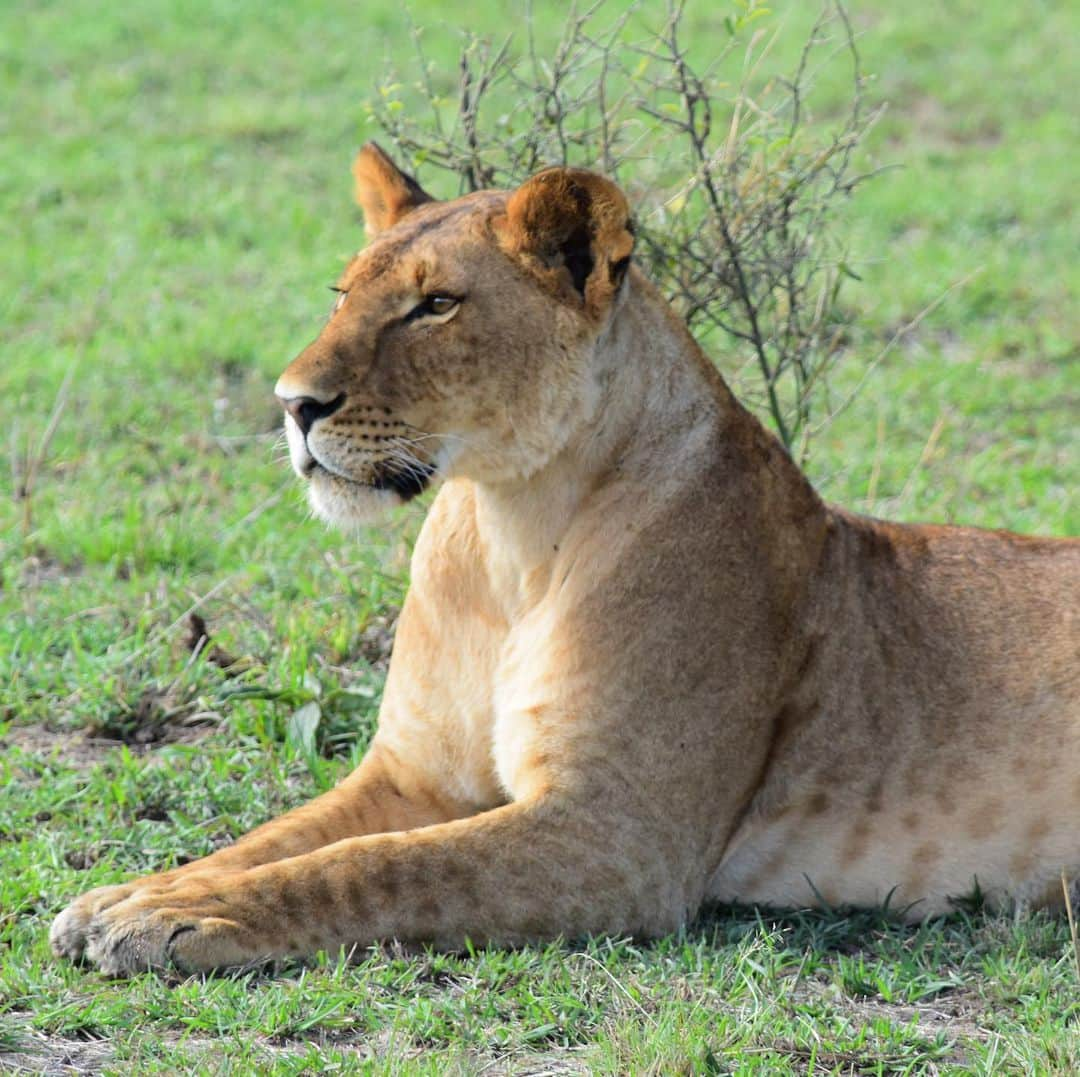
[348, 504]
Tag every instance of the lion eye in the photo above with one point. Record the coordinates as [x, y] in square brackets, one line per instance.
[433, 305]
[441, 304]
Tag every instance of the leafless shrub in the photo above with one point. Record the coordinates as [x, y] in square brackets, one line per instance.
[735, 185]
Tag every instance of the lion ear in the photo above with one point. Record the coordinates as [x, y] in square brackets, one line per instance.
[383, 191]
[577, 225]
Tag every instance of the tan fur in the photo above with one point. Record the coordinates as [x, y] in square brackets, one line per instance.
[641, 665]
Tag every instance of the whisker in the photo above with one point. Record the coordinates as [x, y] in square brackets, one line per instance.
[424, 435]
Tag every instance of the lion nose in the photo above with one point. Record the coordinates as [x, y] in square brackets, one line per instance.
[306, 409]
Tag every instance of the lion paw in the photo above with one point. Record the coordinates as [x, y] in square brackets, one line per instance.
[183, 927]
[68, 933]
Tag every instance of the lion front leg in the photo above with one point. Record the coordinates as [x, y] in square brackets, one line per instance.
[522, 872]
[380, 795]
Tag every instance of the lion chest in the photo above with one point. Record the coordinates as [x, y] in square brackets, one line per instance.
[498, 652]
[531, 734]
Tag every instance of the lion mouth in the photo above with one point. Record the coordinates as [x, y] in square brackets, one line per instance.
[405, 480]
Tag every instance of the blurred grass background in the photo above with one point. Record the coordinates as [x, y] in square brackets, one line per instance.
[174, 199]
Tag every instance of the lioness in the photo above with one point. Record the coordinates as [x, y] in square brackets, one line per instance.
[641, 664]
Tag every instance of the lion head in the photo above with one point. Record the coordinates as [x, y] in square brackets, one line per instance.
[464, 337]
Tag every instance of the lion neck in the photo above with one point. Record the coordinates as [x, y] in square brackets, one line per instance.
[658, 413]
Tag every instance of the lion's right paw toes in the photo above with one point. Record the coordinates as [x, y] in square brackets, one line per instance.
[67, 936]
[68, 933]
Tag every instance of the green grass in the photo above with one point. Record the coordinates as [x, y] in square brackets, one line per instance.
[174, 200]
